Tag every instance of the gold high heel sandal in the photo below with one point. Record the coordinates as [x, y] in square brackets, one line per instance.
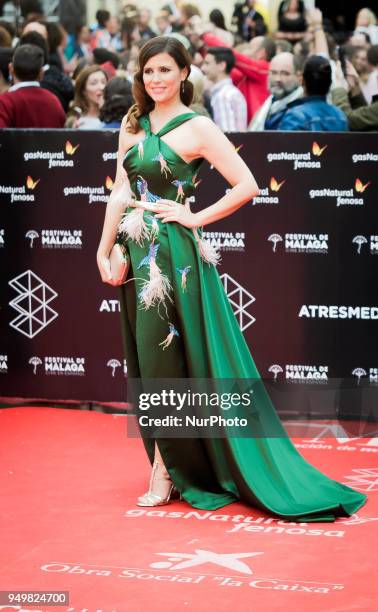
[153, 499]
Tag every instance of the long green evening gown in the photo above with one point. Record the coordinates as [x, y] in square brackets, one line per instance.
[196, 335]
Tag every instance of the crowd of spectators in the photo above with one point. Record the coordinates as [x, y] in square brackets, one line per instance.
[307, 74]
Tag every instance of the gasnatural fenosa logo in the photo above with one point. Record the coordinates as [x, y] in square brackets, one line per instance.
[55, 159]
[344, 197]
[317, 150]
[360, 187]
[95, 194]
[109, 183]
[109, 156]
[309, 159]
[265, 197]
[364, 157]
[19, 193]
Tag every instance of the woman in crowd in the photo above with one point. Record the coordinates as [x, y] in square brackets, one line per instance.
[366, 22]
[163, 23]
[129, 33]
[80, 45]
[358, 57]
[197, 79]
[57, 41]
[6, 55]
[88, 100]
[117, 101]
[291, 20]
[216, 17]
[5, 38]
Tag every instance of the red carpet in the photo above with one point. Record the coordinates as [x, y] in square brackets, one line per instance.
[69, 480]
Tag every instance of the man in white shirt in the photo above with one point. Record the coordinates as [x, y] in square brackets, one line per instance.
[228, 104]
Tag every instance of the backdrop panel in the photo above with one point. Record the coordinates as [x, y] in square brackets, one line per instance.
[297, 263]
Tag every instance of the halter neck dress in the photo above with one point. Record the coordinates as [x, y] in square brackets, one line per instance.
[195, 334]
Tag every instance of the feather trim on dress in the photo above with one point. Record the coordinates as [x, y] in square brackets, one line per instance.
[208, 253]
[134, 226]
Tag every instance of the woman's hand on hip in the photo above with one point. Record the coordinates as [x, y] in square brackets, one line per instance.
[168, 210]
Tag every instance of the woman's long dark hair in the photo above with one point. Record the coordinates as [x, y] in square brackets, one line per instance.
[117, 100]
[143, 102]
[217, 18]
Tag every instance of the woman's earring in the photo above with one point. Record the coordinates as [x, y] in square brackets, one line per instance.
[182, 87]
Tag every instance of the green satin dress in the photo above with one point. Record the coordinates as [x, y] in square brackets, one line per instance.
[196, 335]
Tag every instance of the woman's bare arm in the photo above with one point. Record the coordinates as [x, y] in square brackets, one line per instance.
[219, 151]
[119, 197]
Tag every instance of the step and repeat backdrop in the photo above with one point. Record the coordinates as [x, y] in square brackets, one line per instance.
[299, 265]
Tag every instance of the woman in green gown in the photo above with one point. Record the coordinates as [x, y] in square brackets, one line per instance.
[176, 319]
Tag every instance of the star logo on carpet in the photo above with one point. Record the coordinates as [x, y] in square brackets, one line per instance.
[240, 299]
[363, 479]
[229, 560]
[32, 301]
